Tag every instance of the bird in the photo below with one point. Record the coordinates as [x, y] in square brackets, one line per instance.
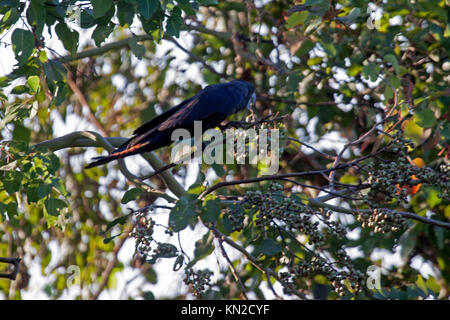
[212, 105]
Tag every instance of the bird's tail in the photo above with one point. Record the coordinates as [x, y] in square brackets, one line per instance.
[119, 153]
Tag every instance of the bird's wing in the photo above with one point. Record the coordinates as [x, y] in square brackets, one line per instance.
[152, 124]
[211, 105]
[182, 117]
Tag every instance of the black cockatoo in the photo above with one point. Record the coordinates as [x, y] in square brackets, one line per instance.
[212, 105]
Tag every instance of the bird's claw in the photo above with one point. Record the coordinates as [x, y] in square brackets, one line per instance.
[233, 124]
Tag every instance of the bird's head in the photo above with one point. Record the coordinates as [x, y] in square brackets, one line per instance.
[249, 92]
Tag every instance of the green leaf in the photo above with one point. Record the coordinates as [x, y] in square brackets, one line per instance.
[314, 61]
[21, 132]
[388, 93]
[54, 206]
[54, 72]
[130, 195]
[68, 37]
[313, 25]
[125, 13]
[44, 190]
[32, 192]
[23, 45]
[12, 181]
[329, 47]
[305, 47]
[390, 58]
[87, 19]
[352, 15]
[354, 70]
[395, 81]
[425, 118]
[11, 16]
[62, 91]
[203, 248]
[445, 132]
[293, 81]
[101, 33]
[109, 239]
[120, 220]
[174, 22]
[211, 210]
[431, 282]
[208, 2]
[4, 82]
[148, 295]
[407, 242]
[296, 18]
[268, 247]
[218, 169]
[36, 16]
[166, 250]
[147, 8]
[432, 196]
[137, 49]
[14, 112]
[188, 7]
[181, 214]
[100, 7]
[33, 82]
[178, 263]
[440, 236]
[11, 210]
[371, 71]
[52, 163]
[20, 89]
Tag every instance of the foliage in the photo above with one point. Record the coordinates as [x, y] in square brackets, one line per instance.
[373, 76]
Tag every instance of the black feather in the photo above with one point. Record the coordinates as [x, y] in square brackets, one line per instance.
[211, 105]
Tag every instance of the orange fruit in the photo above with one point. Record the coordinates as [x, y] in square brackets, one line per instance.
[415, 188]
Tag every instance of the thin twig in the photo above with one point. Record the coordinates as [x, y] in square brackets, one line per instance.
[109, 268]
[232, 268]
[197, 58]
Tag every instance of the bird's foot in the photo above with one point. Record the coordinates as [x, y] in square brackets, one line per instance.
[233, 124]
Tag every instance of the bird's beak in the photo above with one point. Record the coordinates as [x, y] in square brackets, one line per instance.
[251, 101]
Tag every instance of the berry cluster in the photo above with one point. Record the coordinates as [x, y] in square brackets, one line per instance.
[143, 233]
[382, 220]
[237, 218]
[386, 180]
[199, 280]
[295, 215]
[339, 278]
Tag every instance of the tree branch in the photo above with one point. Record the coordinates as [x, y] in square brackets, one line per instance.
[109, 268]
[93, 139]
[269, 177]
[251, 258]
[409, 215]
[82, 98]
[197, 58]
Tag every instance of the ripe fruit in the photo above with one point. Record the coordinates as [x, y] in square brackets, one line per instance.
[412, 189]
